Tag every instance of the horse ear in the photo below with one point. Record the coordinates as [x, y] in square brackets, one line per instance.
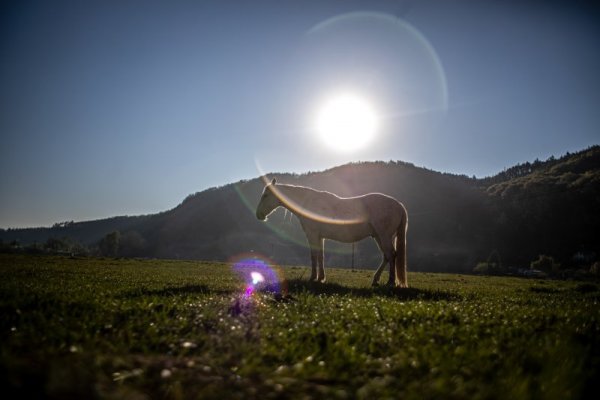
[273, 181]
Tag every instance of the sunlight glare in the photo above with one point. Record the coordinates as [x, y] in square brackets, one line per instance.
[346, 123]
[256, 277]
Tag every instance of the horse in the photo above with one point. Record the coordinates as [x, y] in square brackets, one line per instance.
[324, 215]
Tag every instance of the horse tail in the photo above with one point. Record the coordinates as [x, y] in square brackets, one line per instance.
[400, 260]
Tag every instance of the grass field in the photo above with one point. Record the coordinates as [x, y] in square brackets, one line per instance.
[135, 329]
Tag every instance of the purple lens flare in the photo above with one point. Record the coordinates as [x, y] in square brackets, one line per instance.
[257, 273]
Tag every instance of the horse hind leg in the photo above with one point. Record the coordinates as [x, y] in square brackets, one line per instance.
[378, 272]
[392, 262]
[389, 255]
[400, 260]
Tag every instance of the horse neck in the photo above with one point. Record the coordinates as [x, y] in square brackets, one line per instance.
[294, 196]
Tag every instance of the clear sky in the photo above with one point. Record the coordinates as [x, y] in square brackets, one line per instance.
[126, 107]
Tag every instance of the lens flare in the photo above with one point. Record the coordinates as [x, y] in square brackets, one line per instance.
[286, 228]
[397, 60]
[296, 208]
[256, 277]
[258, 274]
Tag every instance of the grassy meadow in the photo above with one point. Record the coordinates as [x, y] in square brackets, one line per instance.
[137, 329]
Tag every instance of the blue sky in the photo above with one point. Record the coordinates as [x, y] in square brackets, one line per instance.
[126, 107]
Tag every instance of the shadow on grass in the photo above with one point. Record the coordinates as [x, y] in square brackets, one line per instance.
[174, 291]
[299, 286]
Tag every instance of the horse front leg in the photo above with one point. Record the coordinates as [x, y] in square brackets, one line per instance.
[315, 243]
[320, 261]
[313, 260]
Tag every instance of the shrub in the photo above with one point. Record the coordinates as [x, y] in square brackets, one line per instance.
[481, 268]
[487, 267]
[545, 263]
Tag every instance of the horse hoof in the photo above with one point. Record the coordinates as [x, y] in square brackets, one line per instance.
[375, 284]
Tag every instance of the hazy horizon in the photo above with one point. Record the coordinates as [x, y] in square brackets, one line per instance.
[268, 173]
[126, 108]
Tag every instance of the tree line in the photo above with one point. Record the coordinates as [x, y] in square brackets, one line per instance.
[456, 223]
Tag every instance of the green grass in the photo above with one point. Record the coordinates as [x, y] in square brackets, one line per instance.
[135, 329]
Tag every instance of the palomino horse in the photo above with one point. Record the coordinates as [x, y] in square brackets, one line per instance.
[324, 215]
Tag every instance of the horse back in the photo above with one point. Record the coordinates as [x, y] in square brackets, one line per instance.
[376, 214]
[383, 210]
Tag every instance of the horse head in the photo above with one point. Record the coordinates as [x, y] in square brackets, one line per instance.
[268, 202]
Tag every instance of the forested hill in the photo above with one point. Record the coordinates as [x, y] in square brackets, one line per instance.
[550, 207]
[543, 207]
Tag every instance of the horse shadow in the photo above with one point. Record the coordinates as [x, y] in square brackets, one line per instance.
[298, 286]
[172, 291]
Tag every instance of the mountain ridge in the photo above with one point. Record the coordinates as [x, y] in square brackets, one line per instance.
[454, 220]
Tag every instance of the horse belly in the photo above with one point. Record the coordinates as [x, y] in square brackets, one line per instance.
[346, 233]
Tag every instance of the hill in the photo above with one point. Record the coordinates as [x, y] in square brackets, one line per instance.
[545, 207]
[550, 207]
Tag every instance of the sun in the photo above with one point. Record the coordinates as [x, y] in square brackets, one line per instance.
[346, 122]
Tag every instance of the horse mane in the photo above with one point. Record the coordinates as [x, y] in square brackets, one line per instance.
[286, 185]
[325, 192]
[294, 198]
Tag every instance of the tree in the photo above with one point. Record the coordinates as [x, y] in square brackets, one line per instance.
[109, 244]
[131, 244]
[55, 245]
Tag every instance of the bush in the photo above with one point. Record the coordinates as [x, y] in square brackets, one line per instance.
[481, 268]
[55, 245]
[545, 263]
